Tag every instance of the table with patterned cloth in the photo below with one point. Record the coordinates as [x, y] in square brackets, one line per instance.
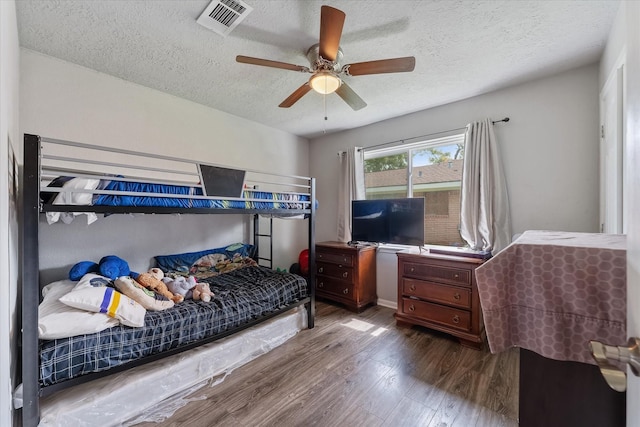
[552, 292]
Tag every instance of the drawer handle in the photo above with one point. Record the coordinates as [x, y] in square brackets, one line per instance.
[345, 274]
[412, 307]
[456, 319]
[456, 296]
[319, 255]
[344, 260]
[346, 291]
[321, 285]
[412, 288]
[456, 275]
[412, 269]
[321, 269]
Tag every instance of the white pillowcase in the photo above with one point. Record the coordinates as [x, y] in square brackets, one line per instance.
[57, 320]
[74, 198]
[91, 294]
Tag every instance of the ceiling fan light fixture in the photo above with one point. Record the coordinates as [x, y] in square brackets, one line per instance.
[325, 82]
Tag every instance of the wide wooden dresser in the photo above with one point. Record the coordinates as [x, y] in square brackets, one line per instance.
[346, 274]
[439, 292]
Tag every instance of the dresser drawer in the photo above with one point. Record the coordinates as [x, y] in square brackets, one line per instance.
[336, 287]
[344, 259]
[438, 273]
[335, 270]
[434, 292]
[451, 317]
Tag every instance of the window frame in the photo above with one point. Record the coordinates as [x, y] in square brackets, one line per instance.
[410, 148]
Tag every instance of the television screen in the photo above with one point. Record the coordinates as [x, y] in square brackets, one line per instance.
[399, 221]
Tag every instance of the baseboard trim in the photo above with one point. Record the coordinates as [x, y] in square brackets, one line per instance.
[388, 304]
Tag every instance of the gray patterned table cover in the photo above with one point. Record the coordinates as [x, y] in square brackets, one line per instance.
[551, 292]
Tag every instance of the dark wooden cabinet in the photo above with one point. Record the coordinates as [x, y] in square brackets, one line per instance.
[346, 274]
[439, 292]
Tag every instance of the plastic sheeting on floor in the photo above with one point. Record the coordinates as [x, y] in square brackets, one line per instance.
[135, 395]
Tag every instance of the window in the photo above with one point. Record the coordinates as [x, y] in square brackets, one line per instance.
[431, 169]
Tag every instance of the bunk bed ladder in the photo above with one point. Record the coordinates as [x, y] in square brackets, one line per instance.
[256, 241]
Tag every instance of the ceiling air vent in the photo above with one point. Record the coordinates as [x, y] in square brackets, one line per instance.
[222, 16]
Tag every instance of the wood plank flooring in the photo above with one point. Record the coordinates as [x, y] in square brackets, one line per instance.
[362, 370]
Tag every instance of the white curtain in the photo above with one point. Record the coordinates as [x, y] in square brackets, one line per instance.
[485, 221]
[351, 187]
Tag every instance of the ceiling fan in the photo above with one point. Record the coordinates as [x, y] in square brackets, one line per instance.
[325, 58]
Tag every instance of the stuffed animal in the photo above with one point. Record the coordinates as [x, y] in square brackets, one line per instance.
[113, 267]
[110, 266]
[181, 285]
[153, 280]
[82, 268]
[202, 292]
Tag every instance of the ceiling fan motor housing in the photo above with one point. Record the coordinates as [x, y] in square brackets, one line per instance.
[319, 63]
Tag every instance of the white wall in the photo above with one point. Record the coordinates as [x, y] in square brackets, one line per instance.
[9, 245]
[387, 276]
[65, 101]
[549, 149]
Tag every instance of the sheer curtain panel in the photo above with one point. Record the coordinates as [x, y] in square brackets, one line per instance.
[351, 187]
[485, 221]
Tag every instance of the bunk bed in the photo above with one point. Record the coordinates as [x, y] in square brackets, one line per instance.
[70, 179]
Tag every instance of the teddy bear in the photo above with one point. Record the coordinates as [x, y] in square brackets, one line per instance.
[152, 279]
[202, 292]
[110, 266]
[180, 285]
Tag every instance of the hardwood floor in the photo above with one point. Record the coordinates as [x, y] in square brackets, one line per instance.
[362, 370]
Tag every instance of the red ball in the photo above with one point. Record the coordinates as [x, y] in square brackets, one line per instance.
[303, 260]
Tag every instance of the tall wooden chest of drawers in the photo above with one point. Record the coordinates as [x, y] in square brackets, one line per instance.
[440, 292]
[346, 274]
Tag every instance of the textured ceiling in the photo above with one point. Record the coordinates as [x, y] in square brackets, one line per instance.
[462, 49]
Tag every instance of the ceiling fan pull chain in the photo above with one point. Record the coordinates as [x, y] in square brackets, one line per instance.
[324, 101]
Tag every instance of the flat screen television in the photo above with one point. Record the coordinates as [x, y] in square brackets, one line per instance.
[397, 221]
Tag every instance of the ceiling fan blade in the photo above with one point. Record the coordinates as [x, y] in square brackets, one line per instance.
[295, 96]
[273, 64]
[350, 97]
[331, 23]
[394, 65]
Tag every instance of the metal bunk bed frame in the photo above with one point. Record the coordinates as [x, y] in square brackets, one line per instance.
[31, 293]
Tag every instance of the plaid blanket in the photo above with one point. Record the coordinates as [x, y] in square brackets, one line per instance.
[240, 296]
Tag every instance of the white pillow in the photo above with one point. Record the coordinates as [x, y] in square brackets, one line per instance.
[57, 320]
[91, 294]
[146, 298]
[74, 198]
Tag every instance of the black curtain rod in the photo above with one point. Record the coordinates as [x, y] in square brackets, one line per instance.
[506, 119]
